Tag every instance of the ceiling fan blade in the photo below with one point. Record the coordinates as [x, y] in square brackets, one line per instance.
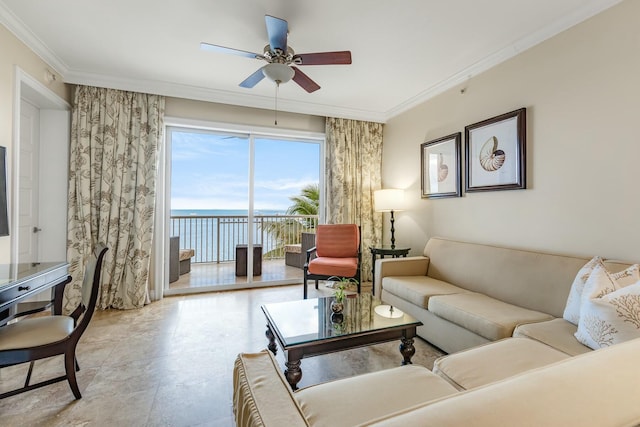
[304, 81]
[277, 30]
[222, 49]
[253, 79]
[323, 58]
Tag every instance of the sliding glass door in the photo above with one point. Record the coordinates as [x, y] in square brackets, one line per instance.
[238, 203]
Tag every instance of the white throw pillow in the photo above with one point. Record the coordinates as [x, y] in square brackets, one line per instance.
[572, 308]
[610, 310]
[574, 301]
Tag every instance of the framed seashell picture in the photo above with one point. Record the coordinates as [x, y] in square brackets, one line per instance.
[495, 153]
[441, 164]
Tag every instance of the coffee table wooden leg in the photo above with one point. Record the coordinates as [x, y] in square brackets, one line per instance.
[293, 373]
[272, 341]
[407, 350]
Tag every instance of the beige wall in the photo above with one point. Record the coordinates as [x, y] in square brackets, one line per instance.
[12, 53]
[222, 113]
[582, 94]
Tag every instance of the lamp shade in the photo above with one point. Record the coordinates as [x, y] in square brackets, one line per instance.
[388, 200]
[278, 73]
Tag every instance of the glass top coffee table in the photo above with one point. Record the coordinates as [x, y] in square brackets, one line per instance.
[309, 328]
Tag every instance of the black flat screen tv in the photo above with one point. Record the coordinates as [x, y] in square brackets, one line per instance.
[4, 217]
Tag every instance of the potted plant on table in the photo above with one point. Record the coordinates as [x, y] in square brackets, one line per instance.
[337, 305]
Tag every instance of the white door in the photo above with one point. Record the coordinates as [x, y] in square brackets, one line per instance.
[28, 183]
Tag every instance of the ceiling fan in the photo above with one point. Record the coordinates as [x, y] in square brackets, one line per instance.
[281, 59]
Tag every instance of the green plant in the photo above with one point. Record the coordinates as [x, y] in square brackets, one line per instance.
[306, 203]
[342, 284]
[288, 230]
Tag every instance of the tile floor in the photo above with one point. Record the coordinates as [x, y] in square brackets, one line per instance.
[170, 364]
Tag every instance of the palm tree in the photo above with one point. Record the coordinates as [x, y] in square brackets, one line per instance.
[288, 231]
[306, 203]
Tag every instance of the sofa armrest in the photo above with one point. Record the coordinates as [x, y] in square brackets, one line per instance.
[410, 266]
[261, 394]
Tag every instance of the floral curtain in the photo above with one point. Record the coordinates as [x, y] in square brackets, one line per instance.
[354, 163]
[115, 136]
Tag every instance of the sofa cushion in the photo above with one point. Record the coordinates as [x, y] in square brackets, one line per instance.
[356, 400]
[533, 280]
[418, 289]
[573, 392]
[495, 361]
[610, 312]
[557, 333]
[574, 301]
[328, 266]
[483, 315]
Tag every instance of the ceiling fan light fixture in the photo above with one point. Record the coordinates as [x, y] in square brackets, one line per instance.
[278, 73]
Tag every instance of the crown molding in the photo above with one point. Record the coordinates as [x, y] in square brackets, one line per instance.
[26, 36]
[219, 96]
[21, 31]
[588, 10]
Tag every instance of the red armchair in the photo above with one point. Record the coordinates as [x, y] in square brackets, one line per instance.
[336, 254]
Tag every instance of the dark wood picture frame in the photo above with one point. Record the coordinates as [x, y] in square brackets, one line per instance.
[441, 166]
[495, 153]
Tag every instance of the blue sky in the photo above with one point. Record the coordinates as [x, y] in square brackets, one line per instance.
[210, 171]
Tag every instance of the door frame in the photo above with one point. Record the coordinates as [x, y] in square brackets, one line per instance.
[55, 122]
[160, 269]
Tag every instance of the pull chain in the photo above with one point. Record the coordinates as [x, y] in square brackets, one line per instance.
[276, 111]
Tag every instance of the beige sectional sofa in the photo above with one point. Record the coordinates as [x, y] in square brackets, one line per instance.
[598, 389]
[513, 359]
[469, 294]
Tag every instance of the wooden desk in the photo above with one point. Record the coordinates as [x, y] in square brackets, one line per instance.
[20, 281]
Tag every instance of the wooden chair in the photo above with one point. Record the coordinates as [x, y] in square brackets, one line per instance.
[37, 338]
[336, 254]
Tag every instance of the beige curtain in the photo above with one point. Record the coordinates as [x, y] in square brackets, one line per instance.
[354, 162]
[115, 137]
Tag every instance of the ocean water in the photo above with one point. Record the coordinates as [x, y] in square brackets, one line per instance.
[215, 239]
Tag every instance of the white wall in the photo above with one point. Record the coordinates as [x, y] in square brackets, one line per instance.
[582, 94]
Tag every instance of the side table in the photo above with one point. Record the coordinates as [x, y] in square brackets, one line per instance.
[382, 251]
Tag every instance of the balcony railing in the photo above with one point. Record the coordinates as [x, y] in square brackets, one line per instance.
[214, 238]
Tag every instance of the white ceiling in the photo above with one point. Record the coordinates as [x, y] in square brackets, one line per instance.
[404, 51]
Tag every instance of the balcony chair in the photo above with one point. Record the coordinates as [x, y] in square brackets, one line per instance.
[37, 338]
[295, 255]
[336, 254]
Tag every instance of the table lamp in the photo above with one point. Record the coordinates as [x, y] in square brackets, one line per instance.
[389, 200]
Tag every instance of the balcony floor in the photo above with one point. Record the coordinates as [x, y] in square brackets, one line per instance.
[222, 276]
[224, 273]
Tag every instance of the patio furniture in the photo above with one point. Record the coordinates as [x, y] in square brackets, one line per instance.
[174, 258]
[185, 260]
[179, 259]
[295, 255]
[241, 260]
